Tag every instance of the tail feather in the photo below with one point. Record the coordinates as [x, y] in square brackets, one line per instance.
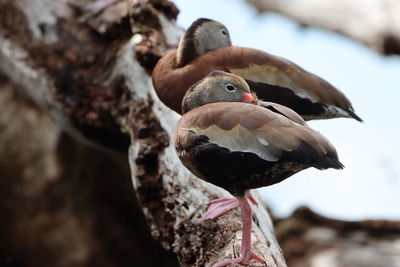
[306, 154]
[354, 115]
[330, 160]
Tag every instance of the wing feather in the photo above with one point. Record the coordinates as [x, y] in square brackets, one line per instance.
[285, 111]
[260, 67]
[268, 135]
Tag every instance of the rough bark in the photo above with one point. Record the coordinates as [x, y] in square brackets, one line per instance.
[375, 23]
[89, 69]
[309, 239]
[63, 203]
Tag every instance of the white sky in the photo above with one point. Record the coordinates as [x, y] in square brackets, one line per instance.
[369, 186]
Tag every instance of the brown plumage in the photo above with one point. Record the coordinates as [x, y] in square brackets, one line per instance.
[239, 146]
[202, 49]
[268, 134]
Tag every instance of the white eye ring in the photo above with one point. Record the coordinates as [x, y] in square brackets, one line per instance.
[230, 87]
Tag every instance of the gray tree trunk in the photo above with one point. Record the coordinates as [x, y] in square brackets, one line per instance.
[88, 69]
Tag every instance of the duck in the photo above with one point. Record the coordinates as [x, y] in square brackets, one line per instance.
[229, 138]
[206, 46]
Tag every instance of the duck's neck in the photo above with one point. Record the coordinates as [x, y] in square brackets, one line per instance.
[186, 50]
[191, 99]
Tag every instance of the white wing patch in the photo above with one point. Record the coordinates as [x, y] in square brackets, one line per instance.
[263, 141]
[240, 139]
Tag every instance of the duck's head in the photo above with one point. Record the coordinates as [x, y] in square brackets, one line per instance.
[202, 36]
[218, 86]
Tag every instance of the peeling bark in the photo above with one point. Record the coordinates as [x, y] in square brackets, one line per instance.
[89, 70]
[374, 23]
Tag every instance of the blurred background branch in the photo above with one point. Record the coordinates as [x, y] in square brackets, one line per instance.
[375, 23]
[309, 239]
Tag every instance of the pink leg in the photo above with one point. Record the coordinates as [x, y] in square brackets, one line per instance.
[221, 200]
[245, 249]
[219, 207]
[251, 198]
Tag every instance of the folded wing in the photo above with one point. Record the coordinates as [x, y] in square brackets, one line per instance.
[279, 80]
[270, 135]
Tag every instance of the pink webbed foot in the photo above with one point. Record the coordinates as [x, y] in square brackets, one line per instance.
[219, 207]
[241, 260]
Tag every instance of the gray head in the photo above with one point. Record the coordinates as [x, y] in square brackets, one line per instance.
[202, 36]
[218, 86]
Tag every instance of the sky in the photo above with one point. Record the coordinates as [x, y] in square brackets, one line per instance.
[369, 186]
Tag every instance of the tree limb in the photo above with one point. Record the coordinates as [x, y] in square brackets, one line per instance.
[309, 239]
[374, 23]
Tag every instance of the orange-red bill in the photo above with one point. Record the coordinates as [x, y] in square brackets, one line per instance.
[248, 98]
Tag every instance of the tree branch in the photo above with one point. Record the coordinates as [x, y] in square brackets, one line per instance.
[309, 239]
[373, 23]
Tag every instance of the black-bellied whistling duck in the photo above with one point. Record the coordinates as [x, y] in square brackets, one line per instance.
[206, 46]
[239, 146]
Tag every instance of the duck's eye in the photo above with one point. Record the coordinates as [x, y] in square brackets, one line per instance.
[224, 32]
[230, 87]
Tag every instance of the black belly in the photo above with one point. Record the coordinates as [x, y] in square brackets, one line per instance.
[238, 171]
